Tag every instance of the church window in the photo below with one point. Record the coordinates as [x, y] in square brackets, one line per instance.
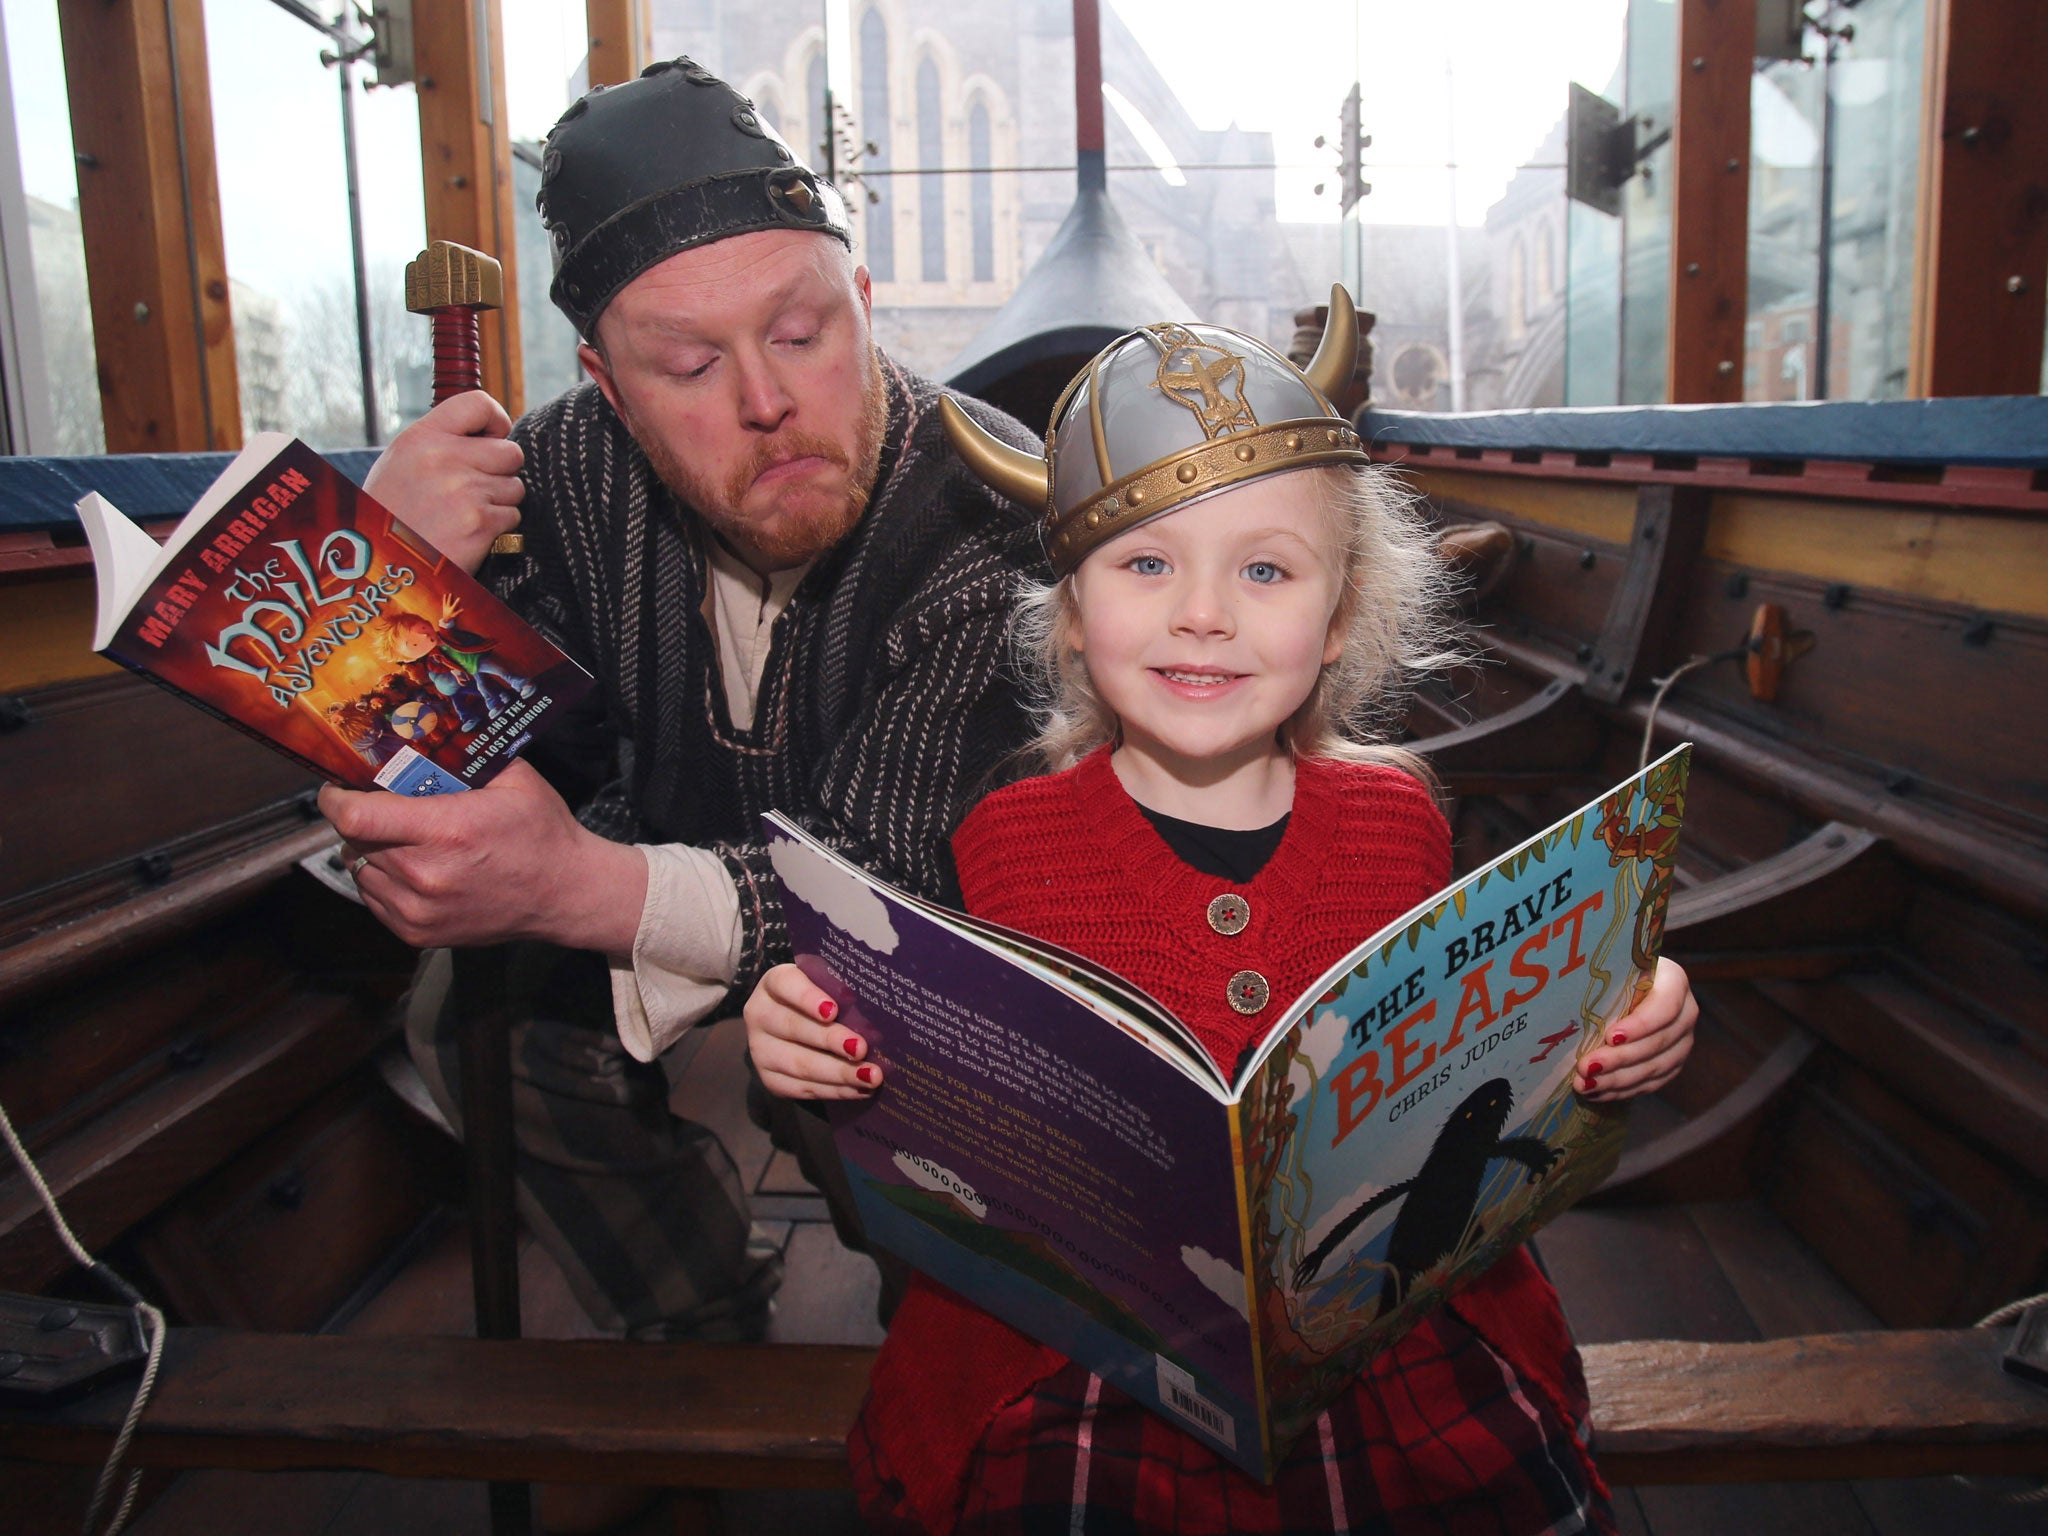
[874, 127]
[982, 197]
[931, 189]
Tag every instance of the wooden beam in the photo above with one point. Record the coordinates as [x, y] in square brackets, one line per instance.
[1982, 248]
[619, 46]
[1709, 303]
[1670, 526]
[149, 208]
[466, 161]
[1844, 1405]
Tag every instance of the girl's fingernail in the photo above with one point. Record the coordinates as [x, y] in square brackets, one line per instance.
[866, 1074]
[1620, 1039]
[828, 1010]
[851, 1045]
[1592, 1069]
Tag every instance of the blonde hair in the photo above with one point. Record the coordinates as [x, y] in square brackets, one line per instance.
[1393, 612]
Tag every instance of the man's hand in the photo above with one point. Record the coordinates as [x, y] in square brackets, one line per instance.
[507, 861]
[453, 477]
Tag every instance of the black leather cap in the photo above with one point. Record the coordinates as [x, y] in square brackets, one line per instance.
[637, 172]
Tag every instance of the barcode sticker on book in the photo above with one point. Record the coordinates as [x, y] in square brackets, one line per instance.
[408, 773]
[1178, 1391]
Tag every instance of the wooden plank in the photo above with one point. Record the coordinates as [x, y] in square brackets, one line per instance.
[1837, 886]
[1599, 511]
[739, 1416]
[46, 631]
[1910, 1404]
[466, 162]
[585, 1411]
[1670, 523]
[1552, 733]
[1709, 294]
[60, 954]
[1982, 246]
[129, 1161]
[619, 47]
[156, 267]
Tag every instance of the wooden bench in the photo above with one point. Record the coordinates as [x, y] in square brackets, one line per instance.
[1832, 1406]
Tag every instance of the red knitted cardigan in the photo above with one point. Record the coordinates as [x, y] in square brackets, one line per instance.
[1071, 858]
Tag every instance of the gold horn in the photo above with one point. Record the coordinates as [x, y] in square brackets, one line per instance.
[1009, 471]
[1337, 354]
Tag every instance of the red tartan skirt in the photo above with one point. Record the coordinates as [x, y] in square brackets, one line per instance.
[1440, 1434]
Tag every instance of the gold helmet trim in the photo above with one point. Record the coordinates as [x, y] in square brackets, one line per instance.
[1212, 466]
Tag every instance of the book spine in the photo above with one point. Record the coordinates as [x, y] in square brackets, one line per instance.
[248, 730]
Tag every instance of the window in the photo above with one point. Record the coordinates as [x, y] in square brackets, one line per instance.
[981, 194]
[931, 188]
[880, 236]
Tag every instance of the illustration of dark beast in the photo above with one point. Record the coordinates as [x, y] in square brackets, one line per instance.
[1442, 1197]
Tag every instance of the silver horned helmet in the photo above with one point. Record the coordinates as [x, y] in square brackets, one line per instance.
[1164, 415]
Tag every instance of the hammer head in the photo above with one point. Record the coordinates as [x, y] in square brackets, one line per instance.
[450, 276]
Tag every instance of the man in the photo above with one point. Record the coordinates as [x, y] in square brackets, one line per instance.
[749, 528]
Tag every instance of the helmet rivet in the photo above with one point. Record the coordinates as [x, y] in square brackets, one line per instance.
[1137, 497]
[1292, 440]
[1244, 453]
[1333, 434]
[1187, 473]
[1093, 519]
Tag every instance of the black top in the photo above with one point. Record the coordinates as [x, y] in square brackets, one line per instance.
[1236, 856]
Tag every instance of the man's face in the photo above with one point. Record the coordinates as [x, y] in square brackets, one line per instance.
[747, 372]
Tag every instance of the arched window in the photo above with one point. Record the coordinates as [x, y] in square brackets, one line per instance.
[769, 105]
[1518, 288]
[814, 93]
[982, 196]
[874, 128]
[1546, 269]
[931, 190]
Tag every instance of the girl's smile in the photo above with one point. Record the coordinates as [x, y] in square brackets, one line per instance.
[1204, 631]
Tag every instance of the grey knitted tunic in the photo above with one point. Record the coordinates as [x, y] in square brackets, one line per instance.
[886, 704]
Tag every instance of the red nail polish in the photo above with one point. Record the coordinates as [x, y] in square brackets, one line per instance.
[828, 1010]
[866, 1074]
[851, 1045]
[1592, 1069]
[1620, 1039]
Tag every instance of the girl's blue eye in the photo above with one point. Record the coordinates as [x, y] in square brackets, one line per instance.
[1148, 565]
[1264, 572]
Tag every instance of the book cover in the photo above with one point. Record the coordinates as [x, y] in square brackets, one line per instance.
[290, 603]
[1230, 1251]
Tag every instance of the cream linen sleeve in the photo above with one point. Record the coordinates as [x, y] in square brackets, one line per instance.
[684, 954]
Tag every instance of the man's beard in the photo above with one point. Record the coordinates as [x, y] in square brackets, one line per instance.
[817, 519]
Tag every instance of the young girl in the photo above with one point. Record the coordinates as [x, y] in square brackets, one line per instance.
[1238, 593]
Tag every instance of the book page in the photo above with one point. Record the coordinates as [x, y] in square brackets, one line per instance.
[1024, 1152]
[1420, 1121]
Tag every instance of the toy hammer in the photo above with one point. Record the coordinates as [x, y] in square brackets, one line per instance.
[454, 284]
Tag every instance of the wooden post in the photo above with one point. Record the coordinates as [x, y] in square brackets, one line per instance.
[618, 40]
[1982, 247]
[466, 160]
[1709, 303]
[149, 208]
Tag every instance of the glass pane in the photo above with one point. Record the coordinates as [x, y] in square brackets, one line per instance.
[1646, 203]
[49, 174]
[394, 232]
[1781, 342]
[546, 68]
[284, 218]
[1593, 332]
[1877, 97]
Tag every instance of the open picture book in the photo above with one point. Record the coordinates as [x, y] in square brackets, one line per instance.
[1056, 1147]
[292, 605]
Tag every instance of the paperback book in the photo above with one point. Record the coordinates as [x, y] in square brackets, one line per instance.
[1229, 1248]
[292, 605]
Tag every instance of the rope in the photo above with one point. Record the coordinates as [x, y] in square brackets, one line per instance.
[152, 1329]
[1734, 653]
[1998, 1318]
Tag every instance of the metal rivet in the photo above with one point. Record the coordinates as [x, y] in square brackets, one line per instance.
[1692, 269]
[1137, 497]
[2015, 284]
[57, 1319]
[1587, 559]
[1186, 474]
[1835, 596]
[1093, 519]
[141, 312]
[1244, 453]
[1738, 585]
[1734, 164]
[1293, 441]
[1699, 62]
[1584, 652]
[1977, 631]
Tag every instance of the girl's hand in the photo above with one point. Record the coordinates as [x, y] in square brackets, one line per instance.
[1645, 1048]
[798, 1050]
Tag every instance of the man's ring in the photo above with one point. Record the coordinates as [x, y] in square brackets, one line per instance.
[355, 865]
